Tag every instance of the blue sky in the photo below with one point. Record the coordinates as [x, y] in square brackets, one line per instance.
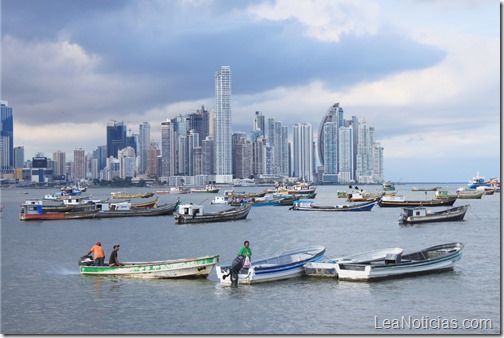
[425, 74]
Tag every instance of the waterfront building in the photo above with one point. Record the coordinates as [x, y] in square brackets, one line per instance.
[199, 122]
[242, 156]
[6, 139]
[345, 151]
[303, 164]
[101, 156]
[127, 161]
[330, 154]
[364, 170]
[334, 115]
[223, 142]
[207, 156]
[79, 164]
[259, 157]
[259, 125]
[153, 157]
[168, 142]
[19, 155]
[143, 146]
[116, 138]
[59, 158]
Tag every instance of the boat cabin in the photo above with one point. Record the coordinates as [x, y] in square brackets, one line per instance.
[191, 209]
[115, 206]
[397, 198]
[304, 203]
[414, 212]
[32, 207]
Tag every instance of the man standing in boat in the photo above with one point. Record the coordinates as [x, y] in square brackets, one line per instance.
[114, 261]
[245, 251]
[98, 254]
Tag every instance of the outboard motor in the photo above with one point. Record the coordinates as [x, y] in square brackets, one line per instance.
[86, 261]
[235, 268]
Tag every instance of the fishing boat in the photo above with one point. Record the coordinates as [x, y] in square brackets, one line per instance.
[125, 209]
[433, 259]
[220, 200]
[400, 201]
[486, 190]
[462, 194]
[306, 205]
[478, 181]
[328, 268]
[123, 195]
[388, 186]
[194, 213]
[425, 189]
[423, 215]
[32, 210]
[301, 188]
[285, 265]
[174, 190]
[175, 268]
[209, 189]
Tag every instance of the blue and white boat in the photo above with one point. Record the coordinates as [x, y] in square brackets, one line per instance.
[286, 265]
[478, 181]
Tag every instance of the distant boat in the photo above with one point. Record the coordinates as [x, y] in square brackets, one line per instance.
[388, 186]
[123, 195]
[209, 188]
[434, 259]
[425, 189]
[174, 190]
[175, 268]
[193, 213]
[422, 215]
[126, 209]
[399, 201]
[305, 205]
[32, 210]
[478, 181]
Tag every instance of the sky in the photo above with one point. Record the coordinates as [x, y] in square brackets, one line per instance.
[424, 73]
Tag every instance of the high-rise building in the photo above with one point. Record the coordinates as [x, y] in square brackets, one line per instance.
[6, 139]
[152, 160]
[19, 157]
[302, 135]
[59, 158]
[144, 143]
[223, 142]
[242, 156]
[364, 163]
[207, 156]
[79, 164]
[345, 151]
[116, 138]
[334, 114]
[329, 138]
[168, 141]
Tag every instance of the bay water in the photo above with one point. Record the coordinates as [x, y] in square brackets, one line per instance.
[42, 291]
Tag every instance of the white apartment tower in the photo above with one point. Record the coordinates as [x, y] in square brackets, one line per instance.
[345, 151]
[303, 151]
[223, 132]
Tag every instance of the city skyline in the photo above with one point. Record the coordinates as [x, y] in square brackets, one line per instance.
[424, 74]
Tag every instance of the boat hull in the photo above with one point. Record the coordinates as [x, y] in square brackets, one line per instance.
[54, 216]
[162, 210]
[222, 216]
[450, 215]
[366, 206]
[182, 268]
[284, 266]
[448, 255]
[432, 203]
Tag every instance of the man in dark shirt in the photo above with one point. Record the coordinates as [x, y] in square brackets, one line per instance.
[113, 261]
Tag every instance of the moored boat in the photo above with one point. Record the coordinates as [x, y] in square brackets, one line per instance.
[328, 268]
[433, 259]
[175, 268]
[423, 215]
[123, 195]
[174, 190]
[194, 213]
[306, 205]
[33, 210]
[400, 201]
[388, 186]
[125, 209]
[285, 265]
[425, 189]
[209, 189]
[478, 181]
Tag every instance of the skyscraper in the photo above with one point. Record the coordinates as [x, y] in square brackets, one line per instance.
[168, 136]
[223, 141]
[116, 138]
[80, 164]
[6, 139]
[59, 158]
[143, 146]
[334, 114]
[303, 151]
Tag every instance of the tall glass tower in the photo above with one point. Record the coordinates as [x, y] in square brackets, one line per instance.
[116, 138]
[143, 145]
[223, 137]
[7, 138]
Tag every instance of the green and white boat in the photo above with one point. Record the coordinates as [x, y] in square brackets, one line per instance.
[176, 268]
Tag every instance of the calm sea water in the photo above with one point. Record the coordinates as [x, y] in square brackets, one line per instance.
[43, 293]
